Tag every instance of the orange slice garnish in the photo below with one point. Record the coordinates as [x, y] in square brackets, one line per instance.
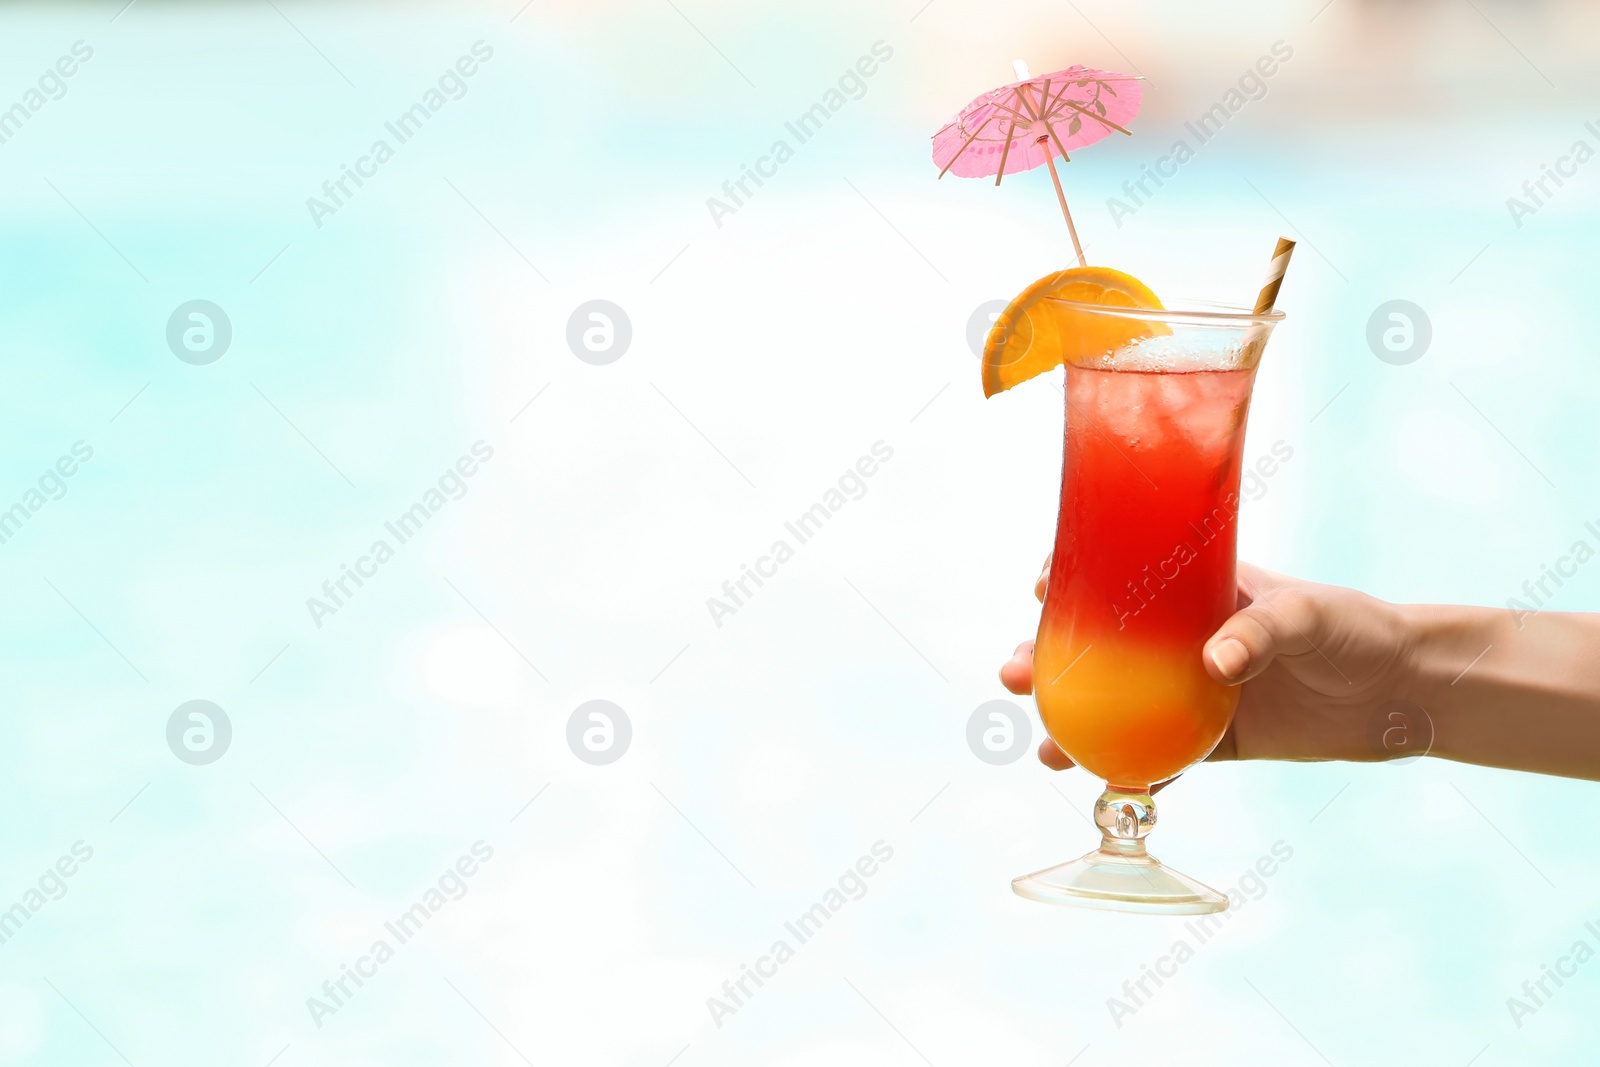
[1035, 334]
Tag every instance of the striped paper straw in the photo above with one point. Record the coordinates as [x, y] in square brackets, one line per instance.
[1269, 288]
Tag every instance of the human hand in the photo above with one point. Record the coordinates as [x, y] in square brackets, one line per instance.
[1313, 662]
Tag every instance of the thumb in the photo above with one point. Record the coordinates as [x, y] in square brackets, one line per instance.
[1271, 626]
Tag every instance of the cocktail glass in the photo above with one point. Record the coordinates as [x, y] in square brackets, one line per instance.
[1142, 575]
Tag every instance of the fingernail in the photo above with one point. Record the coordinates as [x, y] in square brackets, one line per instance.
[1231, 657]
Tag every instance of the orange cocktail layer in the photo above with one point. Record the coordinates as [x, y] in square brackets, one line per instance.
[1143, 571]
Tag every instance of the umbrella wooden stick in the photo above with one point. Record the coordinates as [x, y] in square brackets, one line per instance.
[1061, 198]
[1050, 161]
[1056, 178]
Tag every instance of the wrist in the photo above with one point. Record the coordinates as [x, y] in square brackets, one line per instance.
[1442, 644]
[1429, 632]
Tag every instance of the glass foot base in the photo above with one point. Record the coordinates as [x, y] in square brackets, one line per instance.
[1120, 875]
[1116, 882]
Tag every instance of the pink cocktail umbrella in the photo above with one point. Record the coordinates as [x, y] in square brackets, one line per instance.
[1019, 126]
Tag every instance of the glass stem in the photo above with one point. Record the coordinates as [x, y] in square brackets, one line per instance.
[1125, 815]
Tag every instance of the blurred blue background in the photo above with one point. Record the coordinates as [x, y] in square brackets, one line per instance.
[770, 349]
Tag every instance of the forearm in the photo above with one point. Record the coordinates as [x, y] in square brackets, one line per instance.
[1525, 696]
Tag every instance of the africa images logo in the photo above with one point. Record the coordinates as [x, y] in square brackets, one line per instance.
[451, 85]
[804, 127]
[851, 885]
[451, 885]
[337, 592]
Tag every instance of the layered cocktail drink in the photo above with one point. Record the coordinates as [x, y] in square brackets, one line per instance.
[1142, 574]
[1143, 570]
